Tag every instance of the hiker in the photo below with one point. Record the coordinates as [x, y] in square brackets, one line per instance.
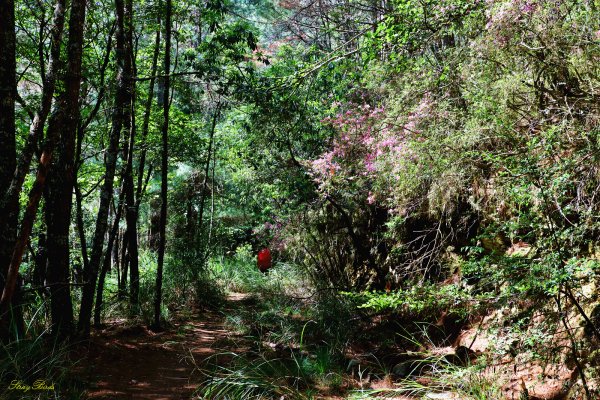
[264, 260]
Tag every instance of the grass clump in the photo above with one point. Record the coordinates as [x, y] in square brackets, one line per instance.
[35, 359]
[255, 377]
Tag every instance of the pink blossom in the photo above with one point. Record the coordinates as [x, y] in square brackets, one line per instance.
[389, 142]
[371, 198]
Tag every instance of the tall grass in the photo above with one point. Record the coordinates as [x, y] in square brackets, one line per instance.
[438, 374]
[37, 356]
[445, 378]
[297, 335]
[256, 377]
[240, 274]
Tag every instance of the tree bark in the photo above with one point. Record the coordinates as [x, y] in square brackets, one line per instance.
[112, 236]
[106, 194]
[146, 122]
[8, 156]
[59, 193]
[9, 197]
[104, 271]
[70, 116]
[81, 225]
[78, 161]
[26, 225]
[164, 168]
[130, 204]
[58, 217]
[209, 152]
[124, 267]
[41, 259]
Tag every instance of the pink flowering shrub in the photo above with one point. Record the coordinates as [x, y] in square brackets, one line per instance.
[366, 144]
[378, 154]
[426, 168]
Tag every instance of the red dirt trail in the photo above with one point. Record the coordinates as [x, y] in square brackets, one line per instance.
[134, 363]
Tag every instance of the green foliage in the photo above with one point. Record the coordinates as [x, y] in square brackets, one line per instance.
[240, 273]
[418, 300]
[532, 277]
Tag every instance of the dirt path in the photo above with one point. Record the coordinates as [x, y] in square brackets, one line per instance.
[134, 363]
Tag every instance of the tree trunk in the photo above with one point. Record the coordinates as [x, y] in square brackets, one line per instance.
[209, 152]
[8, 156]
[70, 116]
[154, 228]
[26, 225]
[164, 168]
[59, 193]
[112, 237]
[58, 200]
[81, 224]
[124, 265]
[146, 122]
[39, 271]
[106, 194]
[130, 205]
[9, 197]
[115, 257]
[78, 161]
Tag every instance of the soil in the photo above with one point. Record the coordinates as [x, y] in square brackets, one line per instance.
[131, 362]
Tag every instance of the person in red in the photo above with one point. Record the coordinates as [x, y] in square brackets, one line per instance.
[264, 260]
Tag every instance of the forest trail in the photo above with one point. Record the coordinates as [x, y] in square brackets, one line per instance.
[125, 362]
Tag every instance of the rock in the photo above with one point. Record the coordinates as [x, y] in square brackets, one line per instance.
[594, 317]
[404, 369]
[475, 339]
[465, 355]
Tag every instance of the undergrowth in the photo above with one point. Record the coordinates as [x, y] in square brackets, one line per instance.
[35, 365]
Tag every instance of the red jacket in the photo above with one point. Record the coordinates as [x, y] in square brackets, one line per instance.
[264, 260]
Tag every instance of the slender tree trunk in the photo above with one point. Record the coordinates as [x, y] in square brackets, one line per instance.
[154, 229]
[78, 161]
[26, 225]
[146, 122]
[8, 155]
[115, 257]
[124, 267]
[81, 225]
[132, 240]
[212, 205]
[70, 116]
[9, 197]
[59, 198]
[41, 258]
[107, 260]
[141, 185]
[106, 194]
[164, 168]
[209, 152]
[130, 205]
